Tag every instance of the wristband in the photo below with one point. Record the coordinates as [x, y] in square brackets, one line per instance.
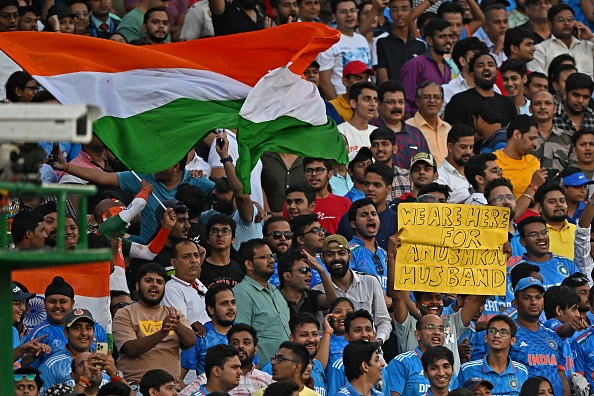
[67, 166]
[533, 186]
[115, 378]
[327, 332]
[526, 195]
[228, 159]
[84, 382]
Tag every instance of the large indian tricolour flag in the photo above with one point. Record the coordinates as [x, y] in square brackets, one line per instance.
[158, 101]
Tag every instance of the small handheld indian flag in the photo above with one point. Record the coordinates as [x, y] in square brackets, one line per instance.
[158, 101]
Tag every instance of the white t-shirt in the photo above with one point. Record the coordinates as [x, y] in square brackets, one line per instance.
[256, 178]
[349, 48]
[356, 137]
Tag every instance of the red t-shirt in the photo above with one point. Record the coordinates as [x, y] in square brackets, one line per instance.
[330, 210]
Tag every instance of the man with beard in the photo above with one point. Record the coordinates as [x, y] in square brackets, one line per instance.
[431, 65]
[259, 303]
[220, 307]
[184, 291]
[423, 171]
[156, 25]
[277, 231]
[562, 41]
[58, 302]
[229, 199]
[79, 332]
[404, 374]
[365, 291]
[464, 104]
[534, 236]
[515, 160]
[131, 24]
[553, 209]
[28, 19]
[368, 257]
[554, 144]
[219, 267]
[574, 114]
[460, 146]
[238, 16]
[285, 10]
[148, 334]
[164, 183]
[410, 140]
[102, 24]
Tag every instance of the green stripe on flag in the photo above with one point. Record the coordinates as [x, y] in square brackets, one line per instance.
[286, 135]
[157, 139]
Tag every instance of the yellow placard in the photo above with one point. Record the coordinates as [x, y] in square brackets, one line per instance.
[450, 248]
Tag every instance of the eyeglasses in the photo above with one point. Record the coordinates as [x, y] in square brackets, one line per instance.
[378, 264]
[315, 171]
[81, 14]
[503, 197]
[432, 327]
[502, 332]
[216, 231]
[34, 88]
[279, 234]
[316, 230]
[563, 19]
[347, 11]
[435, 97]
[119, 305]
[535, 234]
[392, 102]
[28, 377]
[303, 270]
[20, 304]
[266, 256]
[280, 359]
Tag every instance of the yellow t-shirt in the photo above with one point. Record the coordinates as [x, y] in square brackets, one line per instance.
[561, 241]
[305, 392]
[342, 106]
[519, 172]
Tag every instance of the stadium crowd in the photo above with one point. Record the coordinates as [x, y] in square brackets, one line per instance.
[290, 289]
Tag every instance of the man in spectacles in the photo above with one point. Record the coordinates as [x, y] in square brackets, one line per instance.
[365, 291]
[259, 303]
[505, 375]
[295, 274]
[277, 231]
[219, 267]
[404, 374]
[534, 236]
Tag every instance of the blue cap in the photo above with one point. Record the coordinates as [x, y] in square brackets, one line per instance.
[576, 179]
[525, 283]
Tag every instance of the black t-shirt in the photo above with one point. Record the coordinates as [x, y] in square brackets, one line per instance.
[234, 20]
[230, 274]
[464, 104]
[310, 304]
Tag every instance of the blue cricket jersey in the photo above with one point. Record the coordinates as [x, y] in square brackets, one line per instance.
[193, 358]
[507, 383]
[404, 374]
[362, 260]
[348, 390]
[583, 347]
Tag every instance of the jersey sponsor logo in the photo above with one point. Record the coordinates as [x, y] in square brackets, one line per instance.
[552, 344]
[513, 383]
[541, 359]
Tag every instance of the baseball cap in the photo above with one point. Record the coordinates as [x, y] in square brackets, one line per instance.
[76, 314]
[425, 157]
[18, 294]
[362, 154]
[473, 383]
[221, 183]
[530, 281]
[576, 179]
[342, 242]
[174, 204]
[357, 67]
[61, 10]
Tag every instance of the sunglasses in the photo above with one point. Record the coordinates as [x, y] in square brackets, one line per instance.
[28, 377]
[303, 270]
[378, 264]
[119, 305]
[279, 234]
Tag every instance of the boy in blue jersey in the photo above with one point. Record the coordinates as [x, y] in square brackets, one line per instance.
[561, 309]
[362, 368]
[581, 285]
[534, 236]
[438, 367]
[79, 332]
[506, 375]
[220, 307]
[538, 348]
[368, 256]
[404, 374]
[304, 330]
[59, 301]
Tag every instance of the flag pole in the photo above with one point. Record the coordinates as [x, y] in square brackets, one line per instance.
[153, 194]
